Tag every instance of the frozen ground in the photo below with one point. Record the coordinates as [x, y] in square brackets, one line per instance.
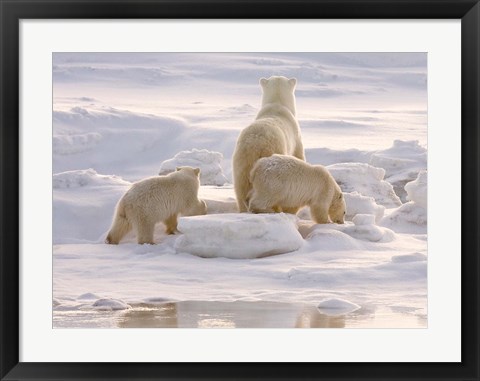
[121, 117]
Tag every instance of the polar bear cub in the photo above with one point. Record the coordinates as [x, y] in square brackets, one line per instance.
[275, 130]
[281, 182]
[156, 199]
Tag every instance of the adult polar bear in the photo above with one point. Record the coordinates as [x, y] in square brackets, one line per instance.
[275, 130]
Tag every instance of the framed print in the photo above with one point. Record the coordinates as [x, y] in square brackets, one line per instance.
[239, 190]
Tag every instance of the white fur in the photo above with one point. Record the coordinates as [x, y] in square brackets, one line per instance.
[156, 199]
[275, 130]
[285, 183]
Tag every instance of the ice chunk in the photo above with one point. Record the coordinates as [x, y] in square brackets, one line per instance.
[238, 236]
[401, 162]
[366, 180]
[417, 190]
[358, 204]
[364, 228]
[337, 306]
[110, 305]
[364, 219]
[209, 162]
[327, 238]
[410, 218]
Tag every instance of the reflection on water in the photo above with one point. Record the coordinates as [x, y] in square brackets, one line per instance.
[238, 314]
[195, 314]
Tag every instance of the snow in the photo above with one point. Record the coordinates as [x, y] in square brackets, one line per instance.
[211, 172]
[118, 118]
[238, 236]
[415, 257]
[82, 178]
[70, 144]
[83, 205]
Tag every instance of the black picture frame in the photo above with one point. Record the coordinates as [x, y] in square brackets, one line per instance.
[12, 11]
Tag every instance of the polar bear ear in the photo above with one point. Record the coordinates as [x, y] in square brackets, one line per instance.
[263, 82]
[292, 82]
[178, 168]
[196, 170]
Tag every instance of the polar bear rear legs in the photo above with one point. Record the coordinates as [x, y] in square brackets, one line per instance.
[145, 231]
[120, 227]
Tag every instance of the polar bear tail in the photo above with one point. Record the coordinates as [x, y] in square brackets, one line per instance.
[120, 226]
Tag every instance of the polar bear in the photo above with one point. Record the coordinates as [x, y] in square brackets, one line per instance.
[275, 130]
[155, 199]
[281, 181]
